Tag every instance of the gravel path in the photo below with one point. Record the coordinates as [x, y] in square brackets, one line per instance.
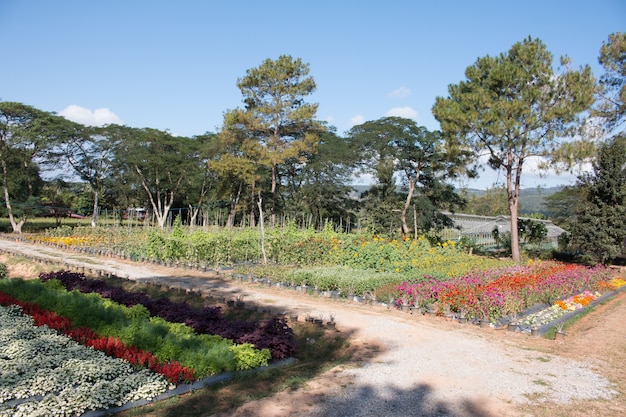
[420, 366]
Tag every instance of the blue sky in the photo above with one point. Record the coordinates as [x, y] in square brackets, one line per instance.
[174, 65]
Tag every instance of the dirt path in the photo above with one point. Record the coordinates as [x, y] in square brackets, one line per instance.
[422, 366]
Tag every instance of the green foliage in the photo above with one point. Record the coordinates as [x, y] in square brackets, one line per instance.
[346, 280]
[247, 357]
[564, 241]
[611, 106]
[600, 229]
[561, 206]
[395, 145]
[206, 354]
[4, 271]
[532, 231]
[356, 263]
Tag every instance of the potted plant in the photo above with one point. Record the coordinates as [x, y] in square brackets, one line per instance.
[405, 305]
[331, 322]
[462, 316]
[513, 324]
[558, 331]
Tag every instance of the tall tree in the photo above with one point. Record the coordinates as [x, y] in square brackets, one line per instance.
[201, 179]
[237, 162]
[382, 199]
[89, 151]
[317, 189]
[514, 107]
[611, 103]
[160, 163]
[408, 149]
[284, 124]
[25, 133]
[600, 227]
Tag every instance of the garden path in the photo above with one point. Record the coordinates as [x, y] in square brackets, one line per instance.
[410, 366]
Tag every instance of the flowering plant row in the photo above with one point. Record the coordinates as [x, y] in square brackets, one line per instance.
[273, 334]
[287, 245]
[406, 256]
[45, 373]
[168, 342]
[112, 346]
[564, 306]
[490, 295]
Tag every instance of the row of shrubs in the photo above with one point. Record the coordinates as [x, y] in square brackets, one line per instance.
[134, 326]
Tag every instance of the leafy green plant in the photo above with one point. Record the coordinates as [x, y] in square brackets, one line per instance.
[205, 354]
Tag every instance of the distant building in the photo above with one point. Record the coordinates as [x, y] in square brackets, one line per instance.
[480, 228]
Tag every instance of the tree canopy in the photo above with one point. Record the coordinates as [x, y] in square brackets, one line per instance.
[600, 226]
[277, 116]
[514, 107]
[612, 92]
[398, 145]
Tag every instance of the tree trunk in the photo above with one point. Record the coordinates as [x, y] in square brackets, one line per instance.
[273, 206]
[94, 216]
[515, 253]
[234, 201]
[17, 226]
[261, 226]
[194, 216]
[252, 214]
[407, 204]
[512, 189]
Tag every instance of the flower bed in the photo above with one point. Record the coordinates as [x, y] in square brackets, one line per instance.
[168, 342]
[111, 346]
[493, 294]
[273, 334]
[47, 374]
[562, 310]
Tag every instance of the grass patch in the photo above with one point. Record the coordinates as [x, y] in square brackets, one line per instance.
[541, 382]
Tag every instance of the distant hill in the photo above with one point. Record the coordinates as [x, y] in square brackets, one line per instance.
[531, 199]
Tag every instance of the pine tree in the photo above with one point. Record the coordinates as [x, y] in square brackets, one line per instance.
[600, 227]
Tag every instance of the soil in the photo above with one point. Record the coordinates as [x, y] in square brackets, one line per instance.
[440, 366]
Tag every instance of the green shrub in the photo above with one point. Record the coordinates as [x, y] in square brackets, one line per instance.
[205, 354]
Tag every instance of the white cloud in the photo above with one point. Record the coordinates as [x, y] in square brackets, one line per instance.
[400, 92]
[357, 120]
[98, 117]
[406, 112]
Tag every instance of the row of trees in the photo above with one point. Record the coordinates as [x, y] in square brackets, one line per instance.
[273, 155]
